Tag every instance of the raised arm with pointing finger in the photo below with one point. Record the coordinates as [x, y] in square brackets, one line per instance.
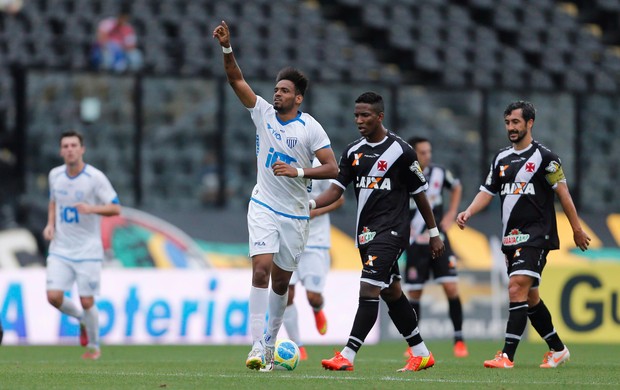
[287, 140]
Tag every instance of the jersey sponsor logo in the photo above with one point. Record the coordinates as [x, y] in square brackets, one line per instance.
[357, 157]
[502, 170]
[373, 183]
[452, 261]
[415, 168]
[366, 236]
[518, 188]
[291, 142]
[274, 132]
[69, 215]
[530, 167]
[369, 262]
[382, 165]
[515, 237]
[274, 156]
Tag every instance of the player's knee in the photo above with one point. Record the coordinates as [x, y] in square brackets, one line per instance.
[260, 278]
[87, 302]
[389, 295]
[280, 285]
[55, 299]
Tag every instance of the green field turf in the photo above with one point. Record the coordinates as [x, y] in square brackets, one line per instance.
[221, 367]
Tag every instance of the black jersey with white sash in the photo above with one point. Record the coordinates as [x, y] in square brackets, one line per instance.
[438, 178]
[384, 175]
[525, 181]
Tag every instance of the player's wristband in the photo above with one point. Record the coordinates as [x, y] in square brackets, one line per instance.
[434, 232]
[312, 204]
[300, 172]
[227, 50]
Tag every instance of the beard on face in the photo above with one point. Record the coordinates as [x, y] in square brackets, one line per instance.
[521, 134]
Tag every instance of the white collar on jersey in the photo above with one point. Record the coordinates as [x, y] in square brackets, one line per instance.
[515, 151]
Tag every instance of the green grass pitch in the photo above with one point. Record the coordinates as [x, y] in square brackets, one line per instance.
[222, 367]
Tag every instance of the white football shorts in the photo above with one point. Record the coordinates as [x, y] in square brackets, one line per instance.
[312, 269]
[61, 274]
[270, 232]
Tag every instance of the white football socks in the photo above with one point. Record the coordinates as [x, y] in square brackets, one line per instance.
[258, 311]
[91, 321]
[71, 309]
[277, 305]
[291, 323]
[349, 354]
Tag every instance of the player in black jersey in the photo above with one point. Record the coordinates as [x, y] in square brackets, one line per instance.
[527, 176]
[385, 171]
[420, 264]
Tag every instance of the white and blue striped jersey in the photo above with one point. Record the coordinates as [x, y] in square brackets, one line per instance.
[319, 236]
[293, 142]
[77, 236]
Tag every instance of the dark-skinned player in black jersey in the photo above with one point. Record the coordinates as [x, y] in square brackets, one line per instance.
[385, 171]
[527, 176]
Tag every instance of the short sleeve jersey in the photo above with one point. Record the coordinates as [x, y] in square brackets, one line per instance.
[525, 181]
[438, 178]
[384, 175]
[319, 236]
[293, 142]
[78, 236]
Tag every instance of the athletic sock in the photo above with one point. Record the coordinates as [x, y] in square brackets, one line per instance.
[517, 320]
[71, 309]
[365, 318]
[404, 318]
[541, 321]
[456, 315]
[258, 310]
[91, 322]
[349, 354]
[415, 304]
[277, 306]
[319, 308]
[291, 323]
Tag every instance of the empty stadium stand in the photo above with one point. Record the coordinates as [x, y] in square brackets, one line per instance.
[446, 68]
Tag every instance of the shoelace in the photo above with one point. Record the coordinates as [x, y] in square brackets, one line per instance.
[548, 356]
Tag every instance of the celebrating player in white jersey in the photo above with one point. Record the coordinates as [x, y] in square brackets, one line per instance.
[286, 142]
[79, 195]
[313, 267]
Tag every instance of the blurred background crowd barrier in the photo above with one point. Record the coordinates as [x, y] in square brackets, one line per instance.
[177, 144]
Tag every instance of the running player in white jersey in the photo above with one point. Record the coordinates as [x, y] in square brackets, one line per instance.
[79, 195]
[313, 267]
[286, 142]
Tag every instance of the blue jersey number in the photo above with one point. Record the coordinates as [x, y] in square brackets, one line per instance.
[69, 215]
[274, 156]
